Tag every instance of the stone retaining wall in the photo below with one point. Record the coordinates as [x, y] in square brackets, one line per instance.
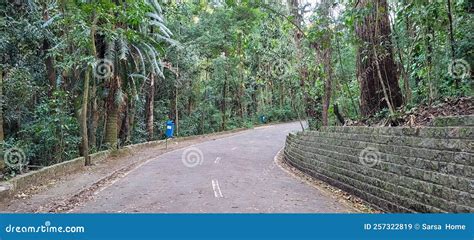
[395, 169]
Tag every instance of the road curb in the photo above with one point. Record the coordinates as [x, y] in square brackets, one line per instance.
[10, 188]
[355, 203]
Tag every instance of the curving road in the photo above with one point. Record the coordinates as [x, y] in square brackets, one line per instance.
[233, 174]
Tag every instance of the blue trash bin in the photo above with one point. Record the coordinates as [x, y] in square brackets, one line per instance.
[169, 129]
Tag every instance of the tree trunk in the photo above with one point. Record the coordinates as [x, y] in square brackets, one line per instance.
[131, 118]
[303, 71]
[93, 94]
[327, 91]
[2, 163]
[125, 124]
[374, 32]
[176, 113]
[451, 39]
[190, 99]
[94, 115]
[339, 116]
[324, 52]
[223, 104]
[384, 89]
[85, 101]
[150, 96]
[429, 60]
[176, 97]
[406, 83]
[111, 133]
[48, 61]
[241, 84]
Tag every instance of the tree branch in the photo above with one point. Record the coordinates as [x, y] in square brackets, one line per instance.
[285, 17]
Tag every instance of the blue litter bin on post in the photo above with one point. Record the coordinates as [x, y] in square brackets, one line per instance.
[169, 129]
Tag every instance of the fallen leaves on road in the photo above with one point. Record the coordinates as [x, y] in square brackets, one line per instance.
[336, 193]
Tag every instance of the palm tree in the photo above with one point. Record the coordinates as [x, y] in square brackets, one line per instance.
[138, 44]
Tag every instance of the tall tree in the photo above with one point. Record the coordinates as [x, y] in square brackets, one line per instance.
[83, 116]
[376, 69]
[48, 60]
[112, 108]
[323, 46]
[451, 39]
[298, 34]
[150, 98]
[2, 164]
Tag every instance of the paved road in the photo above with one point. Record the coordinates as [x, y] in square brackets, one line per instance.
[233, 174]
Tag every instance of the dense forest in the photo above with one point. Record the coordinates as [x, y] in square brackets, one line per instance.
[81, 76]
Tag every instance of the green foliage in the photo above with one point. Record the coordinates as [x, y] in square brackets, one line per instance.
[423, 36]
[281, 114]
[53, 135]
[17, 90]
[215, 67]
[20, 161]
[229, 62]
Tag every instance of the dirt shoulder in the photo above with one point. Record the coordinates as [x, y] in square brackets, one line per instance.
[337, 194]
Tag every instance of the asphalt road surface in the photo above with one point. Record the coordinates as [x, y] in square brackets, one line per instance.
[233, 174]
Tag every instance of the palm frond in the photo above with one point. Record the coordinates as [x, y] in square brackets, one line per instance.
[122, 47]
[168, 40]
[51, 20]
[32, 5]
[155, 17]
[163, 29]
[141, 58]
[136, 75]
[119, 97]
[134, 88]
[156, 6]
[153, 60]
[110, 50]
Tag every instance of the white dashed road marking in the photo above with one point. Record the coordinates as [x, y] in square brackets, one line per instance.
[217, 189]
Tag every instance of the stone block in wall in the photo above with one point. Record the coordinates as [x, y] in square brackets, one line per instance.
[454, 121]
[420, 169]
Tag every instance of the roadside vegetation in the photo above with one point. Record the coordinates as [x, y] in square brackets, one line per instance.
[79, 77]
